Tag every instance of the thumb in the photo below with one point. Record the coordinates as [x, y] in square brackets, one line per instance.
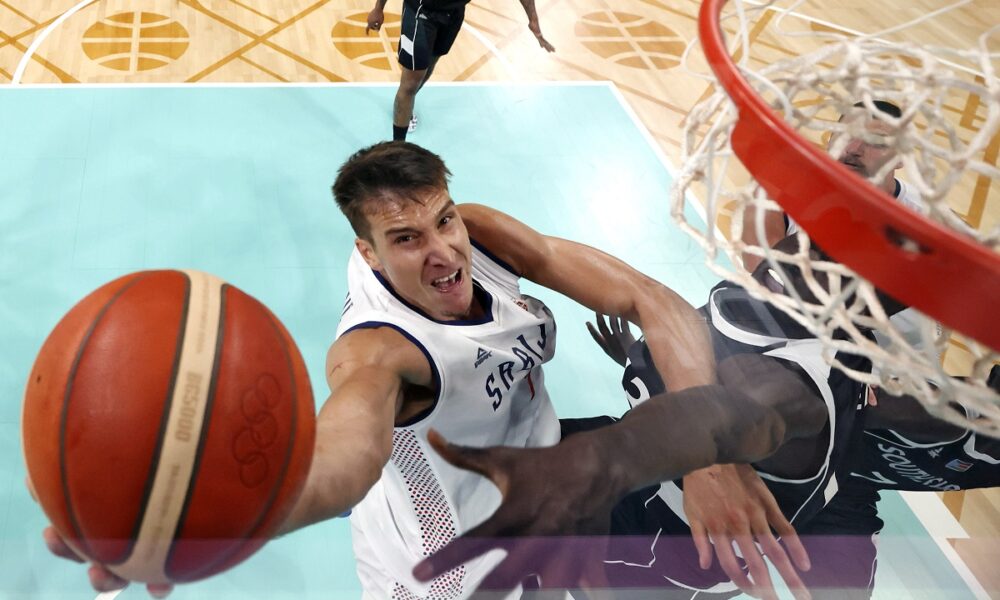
[477, 460]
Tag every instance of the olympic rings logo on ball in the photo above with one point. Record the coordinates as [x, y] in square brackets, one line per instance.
[261, 431]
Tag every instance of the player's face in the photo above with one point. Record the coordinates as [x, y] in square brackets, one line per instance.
[867, 156]
[422, 249]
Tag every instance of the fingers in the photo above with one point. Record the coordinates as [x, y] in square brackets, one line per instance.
[762, 585]
[789, 537]
[776, 554]
[730, 565]
[602, 325]
[702, 543]
[58, 546]
[453, 554]
[159, 590]
[477, 460]
[597, 337]
[104, 580]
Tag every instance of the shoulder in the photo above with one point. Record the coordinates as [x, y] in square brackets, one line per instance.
[383, 347]
[909, 196]
[506, 238]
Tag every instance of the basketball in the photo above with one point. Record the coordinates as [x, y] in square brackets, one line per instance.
[168, 426]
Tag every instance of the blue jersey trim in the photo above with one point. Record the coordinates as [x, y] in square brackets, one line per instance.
[494, 258]
[435, 375]
[478, 292]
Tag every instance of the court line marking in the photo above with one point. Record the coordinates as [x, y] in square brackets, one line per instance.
[308, 84]
[507, 65]
[662, 156]
[837, 26]
[35, 43]
[934, 515]
[941, 525]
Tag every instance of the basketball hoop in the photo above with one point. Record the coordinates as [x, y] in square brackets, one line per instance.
[929, 260]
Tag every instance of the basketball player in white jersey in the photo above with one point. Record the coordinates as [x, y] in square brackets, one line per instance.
[436, 334]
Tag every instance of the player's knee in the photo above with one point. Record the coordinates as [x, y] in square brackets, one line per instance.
[410, 83]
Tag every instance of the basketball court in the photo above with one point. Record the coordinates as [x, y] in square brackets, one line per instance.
[212, 145]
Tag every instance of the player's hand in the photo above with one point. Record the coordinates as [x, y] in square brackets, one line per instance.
[375, 20]
[101, 579]
[547, 493]
[537, 30]
[730, 503]
[614, 336]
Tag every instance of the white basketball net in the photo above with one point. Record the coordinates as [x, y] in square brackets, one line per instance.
[948, 154]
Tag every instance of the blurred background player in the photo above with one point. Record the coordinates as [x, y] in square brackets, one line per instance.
[867, 156]
[429, 29]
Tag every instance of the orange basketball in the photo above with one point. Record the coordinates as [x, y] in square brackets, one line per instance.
[168, 426]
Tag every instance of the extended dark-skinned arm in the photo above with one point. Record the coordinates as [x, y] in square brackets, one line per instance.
[758, 407]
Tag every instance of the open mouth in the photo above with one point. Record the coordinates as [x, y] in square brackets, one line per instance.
[854, 166]
[448, 282]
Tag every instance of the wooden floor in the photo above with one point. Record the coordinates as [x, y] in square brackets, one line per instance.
[637, 44]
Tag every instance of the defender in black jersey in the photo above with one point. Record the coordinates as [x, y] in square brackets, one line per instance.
[902, 448]
[777, 405]
[895, 445]
[801, 475]
[429, 28]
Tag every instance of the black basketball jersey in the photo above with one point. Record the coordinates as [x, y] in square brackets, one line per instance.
[738, 324]
[885, 459]
[437, 5]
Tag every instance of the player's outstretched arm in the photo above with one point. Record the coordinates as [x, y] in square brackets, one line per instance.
[675, 332]
[366, 370]
[724, 504]
[536, 29]
[575, 484]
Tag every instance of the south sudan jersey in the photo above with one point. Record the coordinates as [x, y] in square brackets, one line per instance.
[885, 459]
[489, 391]
[739, 324]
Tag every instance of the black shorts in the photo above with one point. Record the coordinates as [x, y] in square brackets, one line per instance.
[842, 542]
[426, 34]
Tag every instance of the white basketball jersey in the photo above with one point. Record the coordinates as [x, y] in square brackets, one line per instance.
[490, 391]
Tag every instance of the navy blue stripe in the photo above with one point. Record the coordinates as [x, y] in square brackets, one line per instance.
[494, 258]
[435, 375]
[484, 297]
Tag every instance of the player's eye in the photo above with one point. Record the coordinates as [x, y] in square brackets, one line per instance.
[403, 239]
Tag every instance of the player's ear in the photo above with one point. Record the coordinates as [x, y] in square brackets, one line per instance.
[367, 250]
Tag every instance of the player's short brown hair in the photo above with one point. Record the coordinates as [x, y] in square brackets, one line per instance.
[387, 170]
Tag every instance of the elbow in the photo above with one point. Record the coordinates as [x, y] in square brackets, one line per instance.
[749, 432]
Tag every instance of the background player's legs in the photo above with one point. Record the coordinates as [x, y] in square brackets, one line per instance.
[428, 72]
[409, 84]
